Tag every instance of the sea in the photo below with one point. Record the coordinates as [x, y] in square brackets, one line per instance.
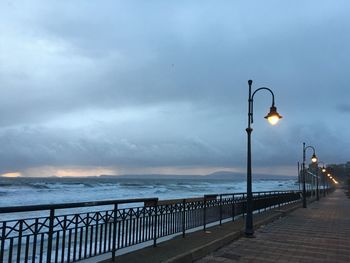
[23, 191]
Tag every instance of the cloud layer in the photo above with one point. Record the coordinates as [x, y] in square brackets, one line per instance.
[144, 85]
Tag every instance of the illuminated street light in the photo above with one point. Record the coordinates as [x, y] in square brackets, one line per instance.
[314, 160]
[323, 169]
[273, 117]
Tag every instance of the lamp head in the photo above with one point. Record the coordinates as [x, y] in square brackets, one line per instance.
[323, 169]
[314, 158]
[273, 117]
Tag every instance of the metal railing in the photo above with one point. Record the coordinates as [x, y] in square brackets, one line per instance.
[66, 236]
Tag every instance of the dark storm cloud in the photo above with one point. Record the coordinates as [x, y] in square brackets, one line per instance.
[158, 84]
[40, 147]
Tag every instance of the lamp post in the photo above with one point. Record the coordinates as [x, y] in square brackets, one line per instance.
[328, 178]
[299, 180]
[273, 117]
[317, 183]
[323, 169]
[314, 160]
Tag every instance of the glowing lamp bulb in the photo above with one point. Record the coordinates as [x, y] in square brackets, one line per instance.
[273, 120]
[273, 117]
[314, 158]
[323, 170]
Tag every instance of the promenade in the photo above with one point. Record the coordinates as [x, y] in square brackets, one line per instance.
[320, 233]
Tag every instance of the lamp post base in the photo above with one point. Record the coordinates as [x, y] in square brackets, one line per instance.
[249, 235]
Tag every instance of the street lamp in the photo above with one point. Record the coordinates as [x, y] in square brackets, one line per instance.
[323, 169]
[314, 160]
[329, 175]
[273, 117]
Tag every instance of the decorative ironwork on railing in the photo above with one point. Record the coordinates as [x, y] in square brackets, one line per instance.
[63, 236]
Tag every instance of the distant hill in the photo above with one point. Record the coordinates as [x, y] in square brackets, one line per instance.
[224, 175]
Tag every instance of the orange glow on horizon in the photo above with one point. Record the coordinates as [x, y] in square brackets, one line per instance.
[79, 172]
[11, 175]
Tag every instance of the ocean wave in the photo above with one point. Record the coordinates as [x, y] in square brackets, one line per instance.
[161, 191]
[30, 191]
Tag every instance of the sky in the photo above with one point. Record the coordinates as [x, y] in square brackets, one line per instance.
[130, 87]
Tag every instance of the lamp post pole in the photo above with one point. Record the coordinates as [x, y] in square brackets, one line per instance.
[324, 184]
[323, 169]
[249, 230]
[299, 181]
[304, 189]
[327, 182]
[317, 188]
[313, 159]
[273, 118]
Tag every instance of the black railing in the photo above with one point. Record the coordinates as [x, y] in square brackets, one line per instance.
[66, 236]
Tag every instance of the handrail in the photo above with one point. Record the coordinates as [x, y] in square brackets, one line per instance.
[30, 208]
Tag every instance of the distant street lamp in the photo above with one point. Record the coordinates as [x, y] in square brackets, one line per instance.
[323, 169]
[273, 117]
[314, 160]
[332, 179]
[329, 175]
[317, 183]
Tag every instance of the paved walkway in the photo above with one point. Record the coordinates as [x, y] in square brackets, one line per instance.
[320, 233]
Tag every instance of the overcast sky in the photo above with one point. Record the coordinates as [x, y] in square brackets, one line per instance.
[115, 87]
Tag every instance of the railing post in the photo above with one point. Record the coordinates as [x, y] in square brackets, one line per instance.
[280, 199]
[233, 207]
[19, 244]
[50, 234]
[183, 217]
[2, 247]
[220, 209]
[114, 241]
[204, 213]
[155, 224]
